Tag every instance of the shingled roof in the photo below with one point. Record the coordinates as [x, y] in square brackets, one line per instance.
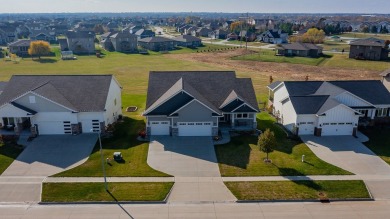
[368, 42]
[212, 88]
[308, 104]
[300, 46]
[187, 38]
[308, 97]
[80, 34]
[155, 40]
[21, 43]
[81, 93]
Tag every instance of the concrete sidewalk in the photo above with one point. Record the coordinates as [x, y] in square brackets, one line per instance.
[212, 179]
[301, 210]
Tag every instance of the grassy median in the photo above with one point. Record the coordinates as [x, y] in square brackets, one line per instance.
[88, 192]
[298, 190]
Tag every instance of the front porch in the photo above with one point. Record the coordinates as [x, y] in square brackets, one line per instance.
[15, 125]
[237, 122]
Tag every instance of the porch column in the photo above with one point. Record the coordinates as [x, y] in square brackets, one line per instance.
[232, 117]
[254, 121]
[373, 113]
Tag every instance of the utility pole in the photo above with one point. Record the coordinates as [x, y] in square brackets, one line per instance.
[246, 20]
[246, 33]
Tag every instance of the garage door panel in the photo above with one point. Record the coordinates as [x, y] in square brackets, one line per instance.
[329, 129]
[51, 128]
[159, 128]
[306, 128]
[195, 128]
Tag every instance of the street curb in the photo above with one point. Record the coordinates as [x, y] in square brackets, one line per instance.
[169, 193]
[102, 203]
[306, 200]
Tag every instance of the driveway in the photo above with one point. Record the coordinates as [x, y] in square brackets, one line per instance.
[193, 162]
[44, 156]
[350, 154]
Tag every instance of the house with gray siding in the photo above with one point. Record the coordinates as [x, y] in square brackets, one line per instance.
[198, 103]
[188, 41]
[20, 47]
[157, 43]
[80, 42]
[124, 42]
[369, 48]
[299, 49]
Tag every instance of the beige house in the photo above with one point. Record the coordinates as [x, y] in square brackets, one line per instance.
[80, 42]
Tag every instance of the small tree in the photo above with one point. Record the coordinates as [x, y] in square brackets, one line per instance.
[267, 143]
[39, 48]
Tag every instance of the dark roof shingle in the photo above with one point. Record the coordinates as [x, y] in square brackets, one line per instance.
[77, 92]
[210, 88]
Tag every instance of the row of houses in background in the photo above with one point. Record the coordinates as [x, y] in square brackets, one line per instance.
[124, 41]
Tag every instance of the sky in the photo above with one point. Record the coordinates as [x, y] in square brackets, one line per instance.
[237, 6]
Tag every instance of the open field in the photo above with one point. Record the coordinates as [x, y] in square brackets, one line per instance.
[366, 35]
[243, 43]
[242, 157]
[335, 46]
[333, 69]
[298, 190]
[87, 192]
[343, 62]
[269, 56]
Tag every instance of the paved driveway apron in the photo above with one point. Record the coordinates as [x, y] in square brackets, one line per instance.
[193, 162]
[44, 156]
[350, 154]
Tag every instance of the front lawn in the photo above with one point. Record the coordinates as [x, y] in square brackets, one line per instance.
[242, 157]
[8, 153]
[379, 141]
[134, 154]
[298, 190]
[87, 192]
[269, 56]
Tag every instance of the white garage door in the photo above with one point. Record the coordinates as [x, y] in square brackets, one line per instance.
[89, 126]
[54, 128]
[306, 128]
[159, 128]
[194, 128]
[337, 129]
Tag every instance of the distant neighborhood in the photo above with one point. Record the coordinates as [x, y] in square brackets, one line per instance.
[290, 35]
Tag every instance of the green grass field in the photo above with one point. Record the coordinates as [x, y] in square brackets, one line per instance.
[335, 46]
[366, 35]
[298, 190]
[329, 60]
[87, 192]
[242, 157]
[342, 61]
[269, 56]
